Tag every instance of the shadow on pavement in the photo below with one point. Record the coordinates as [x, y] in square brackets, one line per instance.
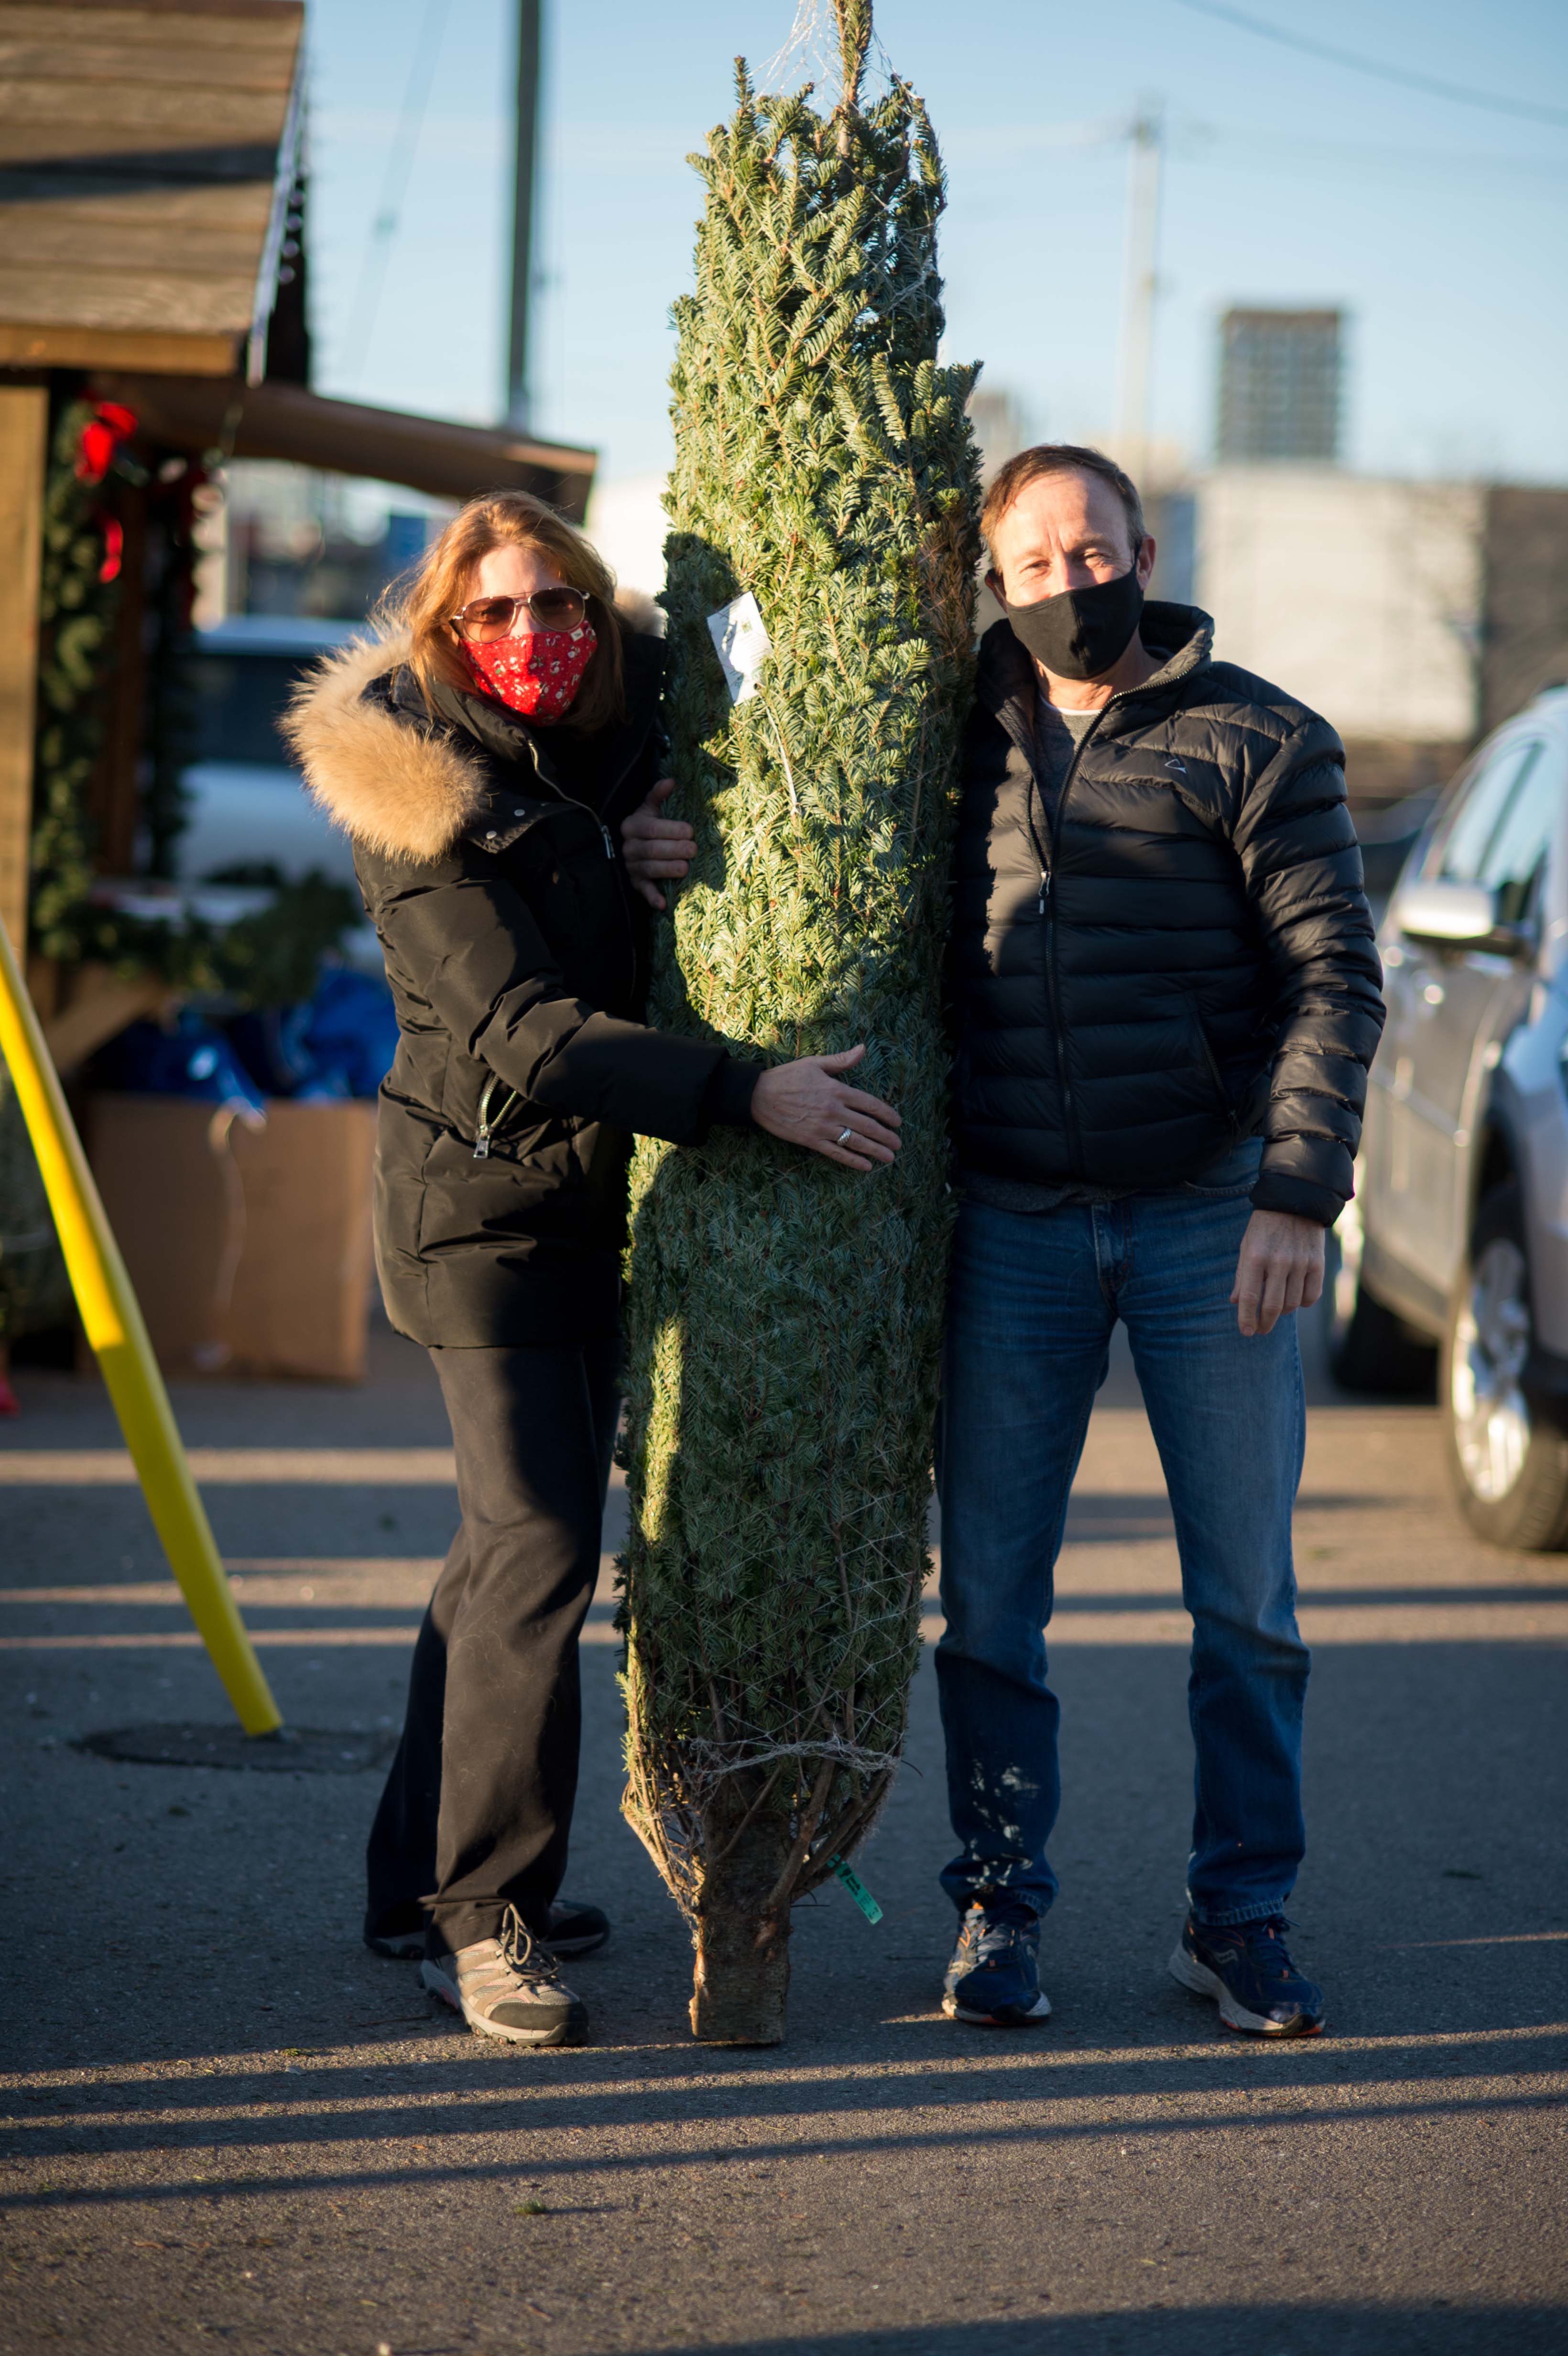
[206, 2063]
[1260, 2330]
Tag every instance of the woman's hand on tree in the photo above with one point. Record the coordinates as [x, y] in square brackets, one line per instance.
[655, 849]
[807, 1103]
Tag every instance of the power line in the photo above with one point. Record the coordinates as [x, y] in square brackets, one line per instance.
[395, 185]
[1008, 142]
[1455, 91]
[1218, 148]
[1198, 141]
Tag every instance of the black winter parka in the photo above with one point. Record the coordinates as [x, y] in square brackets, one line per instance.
[488, 857]
[1184, 959]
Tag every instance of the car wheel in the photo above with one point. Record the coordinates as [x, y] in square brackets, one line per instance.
[1370, 1348]
[1510, 1470]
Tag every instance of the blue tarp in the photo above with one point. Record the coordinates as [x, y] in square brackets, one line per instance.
[339, 1044]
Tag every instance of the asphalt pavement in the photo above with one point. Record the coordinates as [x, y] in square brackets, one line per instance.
[227, 2124]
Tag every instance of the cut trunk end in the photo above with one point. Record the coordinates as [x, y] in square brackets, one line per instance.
[740, 1984]
[741, 1979]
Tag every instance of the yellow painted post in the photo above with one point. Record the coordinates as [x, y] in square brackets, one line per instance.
[113, 1318]
[24, 455]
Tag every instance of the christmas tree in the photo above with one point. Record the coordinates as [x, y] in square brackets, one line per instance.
[786, 1313]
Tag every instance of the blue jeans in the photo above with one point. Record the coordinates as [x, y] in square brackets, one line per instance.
[1032, 1306]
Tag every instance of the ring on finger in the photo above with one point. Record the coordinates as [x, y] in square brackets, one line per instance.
[844, 1136]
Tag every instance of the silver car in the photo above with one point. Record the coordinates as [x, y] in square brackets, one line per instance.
[245, 810]
[1458, 1237]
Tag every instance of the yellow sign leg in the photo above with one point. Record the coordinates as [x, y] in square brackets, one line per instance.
[113, 1322]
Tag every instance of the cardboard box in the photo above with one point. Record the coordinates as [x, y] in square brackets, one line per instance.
[250, 1248]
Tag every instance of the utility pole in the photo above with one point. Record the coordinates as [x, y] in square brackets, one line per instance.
[1141, 285]
[530, 13]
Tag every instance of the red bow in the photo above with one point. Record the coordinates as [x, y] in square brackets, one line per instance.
[110, 424]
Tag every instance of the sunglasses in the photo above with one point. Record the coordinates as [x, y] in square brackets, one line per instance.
[485, 619]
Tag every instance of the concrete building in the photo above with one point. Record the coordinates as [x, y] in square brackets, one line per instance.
[1524, 627]
[1417, 615]
[1000, 426]
[1366, 598]
[1280, 387]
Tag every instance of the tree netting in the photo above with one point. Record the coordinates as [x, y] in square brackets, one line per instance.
[784, 1314]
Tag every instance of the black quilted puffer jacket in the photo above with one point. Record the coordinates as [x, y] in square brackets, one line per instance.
[1185, 959]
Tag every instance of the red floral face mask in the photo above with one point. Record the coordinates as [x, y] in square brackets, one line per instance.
[537, 676]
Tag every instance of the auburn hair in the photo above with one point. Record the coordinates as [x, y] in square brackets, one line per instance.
[425, 600]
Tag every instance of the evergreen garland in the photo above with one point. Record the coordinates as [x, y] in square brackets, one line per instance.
[784, 1314]
[80, 592]
[78, 595]
[275, 958]
[170, 740]
[77, 606]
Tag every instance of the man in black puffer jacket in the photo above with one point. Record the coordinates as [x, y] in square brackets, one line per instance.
[1167, 996]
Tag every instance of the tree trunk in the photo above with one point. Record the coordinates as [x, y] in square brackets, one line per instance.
[742, 1978]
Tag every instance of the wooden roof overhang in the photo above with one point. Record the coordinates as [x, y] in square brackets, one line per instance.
[199, 415]
[147, 148]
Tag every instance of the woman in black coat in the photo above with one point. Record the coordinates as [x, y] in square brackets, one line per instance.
[482, 756]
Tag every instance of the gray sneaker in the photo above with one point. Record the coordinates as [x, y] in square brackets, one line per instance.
[574, 1930]
[509, 1987]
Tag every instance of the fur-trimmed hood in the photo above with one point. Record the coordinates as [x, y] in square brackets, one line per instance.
[402, 788]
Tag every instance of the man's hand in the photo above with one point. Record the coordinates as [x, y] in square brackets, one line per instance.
[807, 1104]
[1280, 1267]
[655, 848]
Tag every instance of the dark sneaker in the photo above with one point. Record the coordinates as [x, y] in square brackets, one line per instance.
[1246, 1966]
[994, 1977]
[405, 1945]
[508, 1988]
[574, 1930]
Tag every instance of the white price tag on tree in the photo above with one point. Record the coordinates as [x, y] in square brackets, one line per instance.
[741, 643]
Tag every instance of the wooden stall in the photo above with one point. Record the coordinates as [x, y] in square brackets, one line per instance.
[148, 158]
[151, 328]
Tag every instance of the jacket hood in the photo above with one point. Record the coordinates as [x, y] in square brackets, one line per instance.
[407, 785]
[1180, 638]
[402, 788]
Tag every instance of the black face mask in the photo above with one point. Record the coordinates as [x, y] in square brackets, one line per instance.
[1079, 632]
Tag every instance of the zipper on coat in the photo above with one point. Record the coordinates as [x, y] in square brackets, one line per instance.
[484, 1127]
[1045, 853]
[588, 809]
[1053, 1000]
[1052, 983]
[1052, 988]
[1045, 908]
[623, 904]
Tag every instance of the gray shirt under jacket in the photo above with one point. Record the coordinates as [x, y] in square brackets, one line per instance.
[1058, 735]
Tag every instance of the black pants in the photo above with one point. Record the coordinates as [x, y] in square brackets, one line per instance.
[477, 1807]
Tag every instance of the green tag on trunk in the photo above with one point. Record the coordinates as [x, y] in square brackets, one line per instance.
[858, 1890]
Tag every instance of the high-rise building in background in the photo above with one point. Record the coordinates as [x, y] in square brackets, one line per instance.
[1280, 385]
[1000, 427]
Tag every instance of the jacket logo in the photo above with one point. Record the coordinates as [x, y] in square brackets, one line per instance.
[1180, 767]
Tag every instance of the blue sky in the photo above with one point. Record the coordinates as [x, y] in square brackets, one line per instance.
[1441, 226]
